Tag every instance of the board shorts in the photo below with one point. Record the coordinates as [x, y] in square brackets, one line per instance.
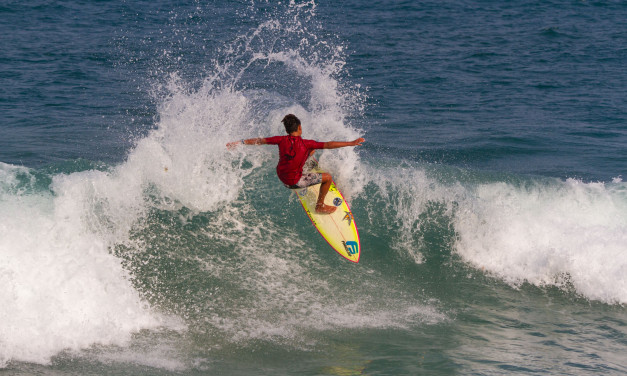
[308, 178]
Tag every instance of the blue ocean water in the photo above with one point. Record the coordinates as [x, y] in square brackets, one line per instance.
[489, 193]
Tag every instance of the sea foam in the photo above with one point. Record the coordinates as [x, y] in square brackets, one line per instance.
[62, 289]
[564, 233]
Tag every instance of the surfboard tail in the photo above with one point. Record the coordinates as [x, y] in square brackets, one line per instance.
[338, 228]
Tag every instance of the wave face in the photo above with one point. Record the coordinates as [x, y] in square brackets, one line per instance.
[546, 232]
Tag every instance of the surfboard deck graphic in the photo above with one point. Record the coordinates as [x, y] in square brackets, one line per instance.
[337, 228]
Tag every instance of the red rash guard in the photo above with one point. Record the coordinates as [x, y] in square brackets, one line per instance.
[293, 153]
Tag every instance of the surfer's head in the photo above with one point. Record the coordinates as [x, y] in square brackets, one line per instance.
[291, 123]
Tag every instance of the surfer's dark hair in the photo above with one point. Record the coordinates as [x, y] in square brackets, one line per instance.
[291, 123]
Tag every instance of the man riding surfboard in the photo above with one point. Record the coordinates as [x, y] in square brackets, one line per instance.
[296, 159]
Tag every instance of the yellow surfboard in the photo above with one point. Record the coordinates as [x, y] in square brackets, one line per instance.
[337, 228]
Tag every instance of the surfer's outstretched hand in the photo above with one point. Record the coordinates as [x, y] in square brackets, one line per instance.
[358, 141]
[248, 141]
[233, 145]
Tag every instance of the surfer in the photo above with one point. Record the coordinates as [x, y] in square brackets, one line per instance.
[296, 159]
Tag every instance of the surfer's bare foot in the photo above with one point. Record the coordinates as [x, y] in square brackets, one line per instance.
[324, 209]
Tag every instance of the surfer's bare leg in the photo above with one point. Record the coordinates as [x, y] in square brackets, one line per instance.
[324, 189]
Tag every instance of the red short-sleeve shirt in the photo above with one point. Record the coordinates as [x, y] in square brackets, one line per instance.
[293, 153]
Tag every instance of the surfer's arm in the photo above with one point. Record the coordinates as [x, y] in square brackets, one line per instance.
[249, 141]
[341, 144]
